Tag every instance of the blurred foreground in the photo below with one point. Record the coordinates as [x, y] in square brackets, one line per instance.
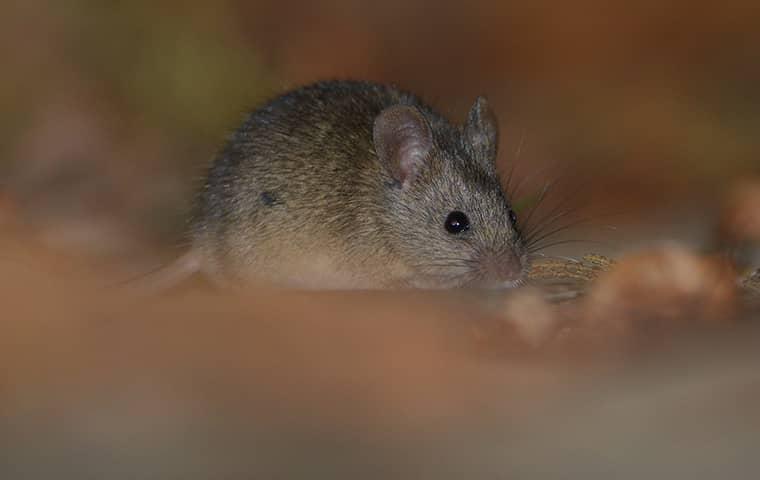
[652, 374]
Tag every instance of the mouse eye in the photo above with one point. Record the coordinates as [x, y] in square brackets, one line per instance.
[457, 222]
[512, 217]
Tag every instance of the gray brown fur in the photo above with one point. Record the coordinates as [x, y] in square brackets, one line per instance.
[300, 196]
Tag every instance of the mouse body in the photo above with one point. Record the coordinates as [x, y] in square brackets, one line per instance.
[351, 184]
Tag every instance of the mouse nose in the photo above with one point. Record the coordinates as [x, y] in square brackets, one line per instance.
[500, 270]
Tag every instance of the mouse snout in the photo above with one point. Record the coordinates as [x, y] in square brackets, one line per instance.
[500, 271]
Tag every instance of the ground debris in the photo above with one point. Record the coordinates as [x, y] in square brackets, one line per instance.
[651, 294]
[750, 286]
[751, 282]
[585, 269]
[567, 278]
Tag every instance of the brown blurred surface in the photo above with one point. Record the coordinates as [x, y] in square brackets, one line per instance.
[111, 112]
[96, 383]
[646, 113]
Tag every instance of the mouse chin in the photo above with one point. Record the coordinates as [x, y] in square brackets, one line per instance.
[490, 274]
[499, 285]
[433, 283]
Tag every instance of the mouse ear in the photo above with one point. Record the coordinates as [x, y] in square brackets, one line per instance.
[403, 141]
[482, 129]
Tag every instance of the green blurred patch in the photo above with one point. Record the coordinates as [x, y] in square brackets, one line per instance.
[177, 65]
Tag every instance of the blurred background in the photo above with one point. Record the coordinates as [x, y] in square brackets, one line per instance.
[110, 112]
[644, 115]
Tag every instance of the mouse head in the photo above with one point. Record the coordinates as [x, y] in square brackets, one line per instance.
[450, 220]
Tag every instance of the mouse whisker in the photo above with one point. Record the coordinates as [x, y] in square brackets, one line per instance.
[447, 281]
[537, 237]
[459, 268]
[544, 256]
[510, 175]
[517, 156]
[439, 265]
[571, 197]
[456, 260]
[551, 236]
[549, 218]
[563, 242]
[514, 193]
[541, 197]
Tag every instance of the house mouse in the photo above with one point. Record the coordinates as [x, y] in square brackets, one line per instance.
[352, 184]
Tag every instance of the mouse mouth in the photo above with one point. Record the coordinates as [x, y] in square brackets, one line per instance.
[504, 284]
[493, 284]
[469, 280]
[488, 272]
[446, 283]
[501, 271]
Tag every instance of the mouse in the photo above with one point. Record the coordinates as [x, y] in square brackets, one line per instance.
[350, 184]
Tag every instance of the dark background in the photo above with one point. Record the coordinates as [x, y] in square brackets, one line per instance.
[110, 111]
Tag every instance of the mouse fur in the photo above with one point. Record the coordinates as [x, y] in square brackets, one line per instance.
[348, 184]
